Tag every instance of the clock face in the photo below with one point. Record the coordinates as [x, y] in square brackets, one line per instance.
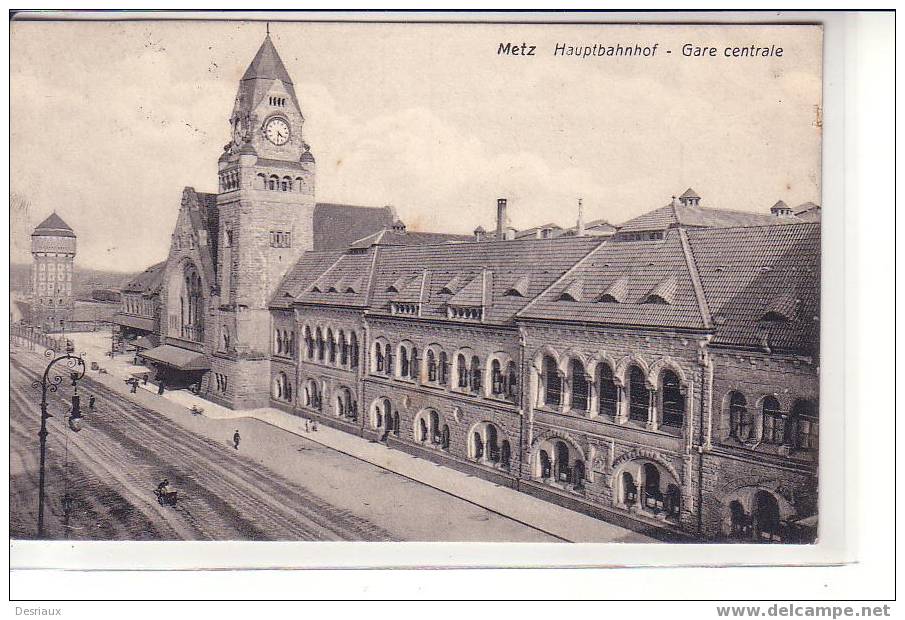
[277, 131]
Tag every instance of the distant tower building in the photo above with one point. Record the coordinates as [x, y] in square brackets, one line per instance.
[53, 249]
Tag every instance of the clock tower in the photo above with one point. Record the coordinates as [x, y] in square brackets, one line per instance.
[265, 207]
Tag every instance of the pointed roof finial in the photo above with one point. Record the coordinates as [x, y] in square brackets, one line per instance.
[268, 28]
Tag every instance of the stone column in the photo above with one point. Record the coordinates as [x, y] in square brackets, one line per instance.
[621, 405]
[652, 422]
[593, 398]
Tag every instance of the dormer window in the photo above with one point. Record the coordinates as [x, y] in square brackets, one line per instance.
[663, 293]
[572, 292]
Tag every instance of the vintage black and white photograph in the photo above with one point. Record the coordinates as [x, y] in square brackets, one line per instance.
[295, 280]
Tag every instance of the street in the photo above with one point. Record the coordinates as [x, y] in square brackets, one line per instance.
[276, 486]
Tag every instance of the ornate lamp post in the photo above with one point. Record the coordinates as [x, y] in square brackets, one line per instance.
[49, 383]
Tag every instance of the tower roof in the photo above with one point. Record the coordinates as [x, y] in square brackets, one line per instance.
[267, 64]
[53, 226]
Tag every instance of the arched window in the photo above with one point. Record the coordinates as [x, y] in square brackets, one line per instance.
[225, 335]
[493, 448]
[378, 358]
[444, 437]
[740, 423]
[331, 346]
[580, 391]
[639, 395]
[388, 359]
[511, 381]
[403, 361]
[552, 383]
[673, 400]
[651, 496]
[563, 471]
[462, 371]
[435, 427]
[608, 393]
[319, 337]
[546, 467]
[496, 378]
[343, 349]
[282, 387]
[443, 369]
[431, 366]
[475, 374]
[396, 423]
[353, 351]
[312, 394]
[774, 422]
[309, 342]
[767, 526]
[739, 522]
[477, 445]
[803, 423]
[629, 489]
[278, 345]
[424, 433]
[415, 365]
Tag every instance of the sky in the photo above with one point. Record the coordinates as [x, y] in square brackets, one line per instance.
[110, 120]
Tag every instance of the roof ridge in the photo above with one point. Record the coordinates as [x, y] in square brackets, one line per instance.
[691, 263]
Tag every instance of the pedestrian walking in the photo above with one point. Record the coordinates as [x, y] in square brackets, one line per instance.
[133, 383]
[160, 389]
[91, 403]
[307, 428]
[236, 439]
[145, 379]
[314, 425]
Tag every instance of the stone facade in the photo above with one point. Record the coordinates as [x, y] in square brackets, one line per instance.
[639, 377]
[53, 246]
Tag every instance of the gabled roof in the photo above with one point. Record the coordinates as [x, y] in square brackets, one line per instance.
[453, 286]
[388, 236]
[488, 270]
[53, 226]
[778, 270]
[673, 215]
[634, 271]
[689, 193]
[338, 226]
[203, 215]
[310, 267]
[147, 282]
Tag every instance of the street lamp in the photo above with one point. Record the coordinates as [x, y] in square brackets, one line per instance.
[49, 383]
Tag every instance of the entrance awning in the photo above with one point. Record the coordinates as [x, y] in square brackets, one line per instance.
[174, 357]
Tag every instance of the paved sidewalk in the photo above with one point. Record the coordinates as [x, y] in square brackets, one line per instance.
[555, 520]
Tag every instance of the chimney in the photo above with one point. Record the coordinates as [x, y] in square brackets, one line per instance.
[500, 217]
[579, 226]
